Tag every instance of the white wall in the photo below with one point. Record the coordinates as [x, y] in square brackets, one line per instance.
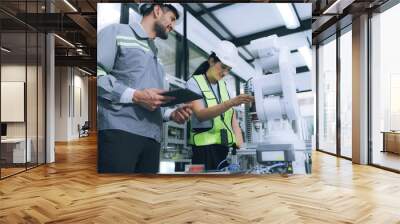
[12, 73]
[61, 103]
[33, 126]
[70, 83]
[79, 117]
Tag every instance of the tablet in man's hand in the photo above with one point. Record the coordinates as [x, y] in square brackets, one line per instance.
[181, 96]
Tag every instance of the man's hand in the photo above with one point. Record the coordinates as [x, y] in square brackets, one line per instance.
[151, 99]
[182, 114]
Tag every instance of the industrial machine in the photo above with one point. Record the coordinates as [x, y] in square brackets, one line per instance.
[274, 141]
[174, 149]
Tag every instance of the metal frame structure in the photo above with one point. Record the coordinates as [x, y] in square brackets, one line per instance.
[212, 29]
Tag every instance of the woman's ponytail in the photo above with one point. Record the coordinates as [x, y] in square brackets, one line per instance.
[202, 69]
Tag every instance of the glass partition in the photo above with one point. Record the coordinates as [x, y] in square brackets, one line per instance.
[14, 153]
[327, 96]
[41, 112]
[31, 98]
[346, 93]
[385, 89]
[22, 79]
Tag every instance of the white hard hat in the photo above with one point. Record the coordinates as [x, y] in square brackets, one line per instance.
[227, 53]
[143, 7]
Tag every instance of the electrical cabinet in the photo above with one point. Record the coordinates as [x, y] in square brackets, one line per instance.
[174, 147]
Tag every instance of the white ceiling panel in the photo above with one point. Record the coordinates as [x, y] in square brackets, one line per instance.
[258, 17]
[304, 10]
[217, 27]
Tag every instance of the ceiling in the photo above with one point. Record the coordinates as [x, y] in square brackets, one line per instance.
[330, 15]
[223, 19]
[76, 23]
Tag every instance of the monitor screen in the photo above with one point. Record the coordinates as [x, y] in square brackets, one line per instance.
[3, 129]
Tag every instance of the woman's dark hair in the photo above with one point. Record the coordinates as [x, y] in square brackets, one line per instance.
[202, 69]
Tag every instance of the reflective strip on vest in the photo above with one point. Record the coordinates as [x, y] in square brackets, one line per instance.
[213, 135]
[132, 42]
[125, 42]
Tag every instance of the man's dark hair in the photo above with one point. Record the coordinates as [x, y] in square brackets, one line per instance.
[164, 7]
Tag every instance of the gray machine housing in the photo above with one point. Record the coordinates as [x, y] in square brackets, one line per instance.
[174, 136]
[287, 149]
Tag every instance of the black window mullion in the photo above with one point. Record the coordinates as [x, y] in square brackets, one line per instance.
[338, 73]
[369, 96]
[45, 87]
[317, 97]
[178, 57]
[185, 46]
[0, 94]
[37, 90]
[237, 85]
[124, 19]
[26, 86]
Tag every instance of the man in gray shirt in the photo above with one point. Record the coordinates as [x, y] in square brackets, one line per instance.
[130, 86]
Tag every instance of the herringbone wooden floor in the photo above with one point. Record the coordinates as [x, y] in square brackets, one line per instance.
[71, 191]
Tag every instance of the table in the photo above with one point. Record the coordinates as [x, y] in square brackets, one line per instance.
[13, 150]
[248, 163]
[391, 141]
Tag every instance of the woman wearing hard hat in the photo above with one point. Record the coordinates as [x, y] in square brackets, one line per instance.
[214, 126]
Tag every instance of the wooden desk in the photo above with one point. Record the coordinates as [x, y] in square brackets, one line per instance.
[391, 142]
[13, 150]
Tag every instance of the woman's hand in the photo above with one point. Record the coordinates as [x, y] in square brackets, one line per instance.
[240, 99]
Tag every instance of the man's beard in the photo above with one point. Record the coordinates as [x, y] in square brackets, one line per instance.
[160, 31]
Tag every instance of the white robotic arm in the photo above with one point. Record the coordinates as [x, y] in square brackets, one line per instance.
[277, 108]
[275, 94]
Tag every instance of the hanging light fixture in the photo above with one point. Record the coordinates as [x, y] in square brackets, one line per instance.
[288, 15]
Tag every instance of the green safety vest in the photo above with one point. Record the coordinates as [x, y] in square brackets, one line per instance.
[212, 135]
